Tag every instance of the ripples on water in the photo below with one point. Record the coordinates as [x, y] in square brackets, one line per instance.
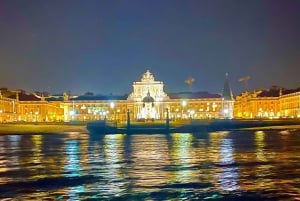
[240, 165]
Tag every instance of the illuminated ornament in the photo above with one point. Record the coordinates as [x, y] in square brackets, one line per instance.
[148, 106]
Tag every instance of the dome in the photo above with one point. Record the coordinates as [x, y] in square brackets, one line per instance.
[148, 98]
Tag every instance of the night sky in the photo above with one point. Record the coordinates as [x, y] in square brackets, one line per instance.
[103, 46]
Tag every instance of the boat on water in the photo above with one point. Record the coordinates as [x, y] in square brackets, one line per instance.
[103, 127]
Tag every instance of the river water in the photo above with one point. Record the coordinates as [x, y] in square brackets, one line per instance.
[237, 165]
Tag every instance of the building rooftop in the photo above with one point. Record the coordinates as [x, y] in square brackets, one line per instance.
[100, 97]
[25, 97]
[193, 95]
[269, 93]
[275, 92]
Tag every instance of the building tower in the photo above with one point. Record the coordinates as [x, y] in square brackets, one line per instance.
[228, 100]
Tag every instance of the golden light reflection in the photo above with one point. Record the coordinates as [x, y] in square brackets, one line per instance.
[114, 158]
[113, 147]
[263, 170]
[14, 146]
[84, 144]
[3, 161]
[150, 153]
[260, 144]
[215, 139]
[36, 149]
[181, 155]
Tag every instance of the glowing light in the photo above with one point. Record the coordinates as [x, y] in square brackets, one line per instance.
[260, 144]
[182, 143]
[229, 176]
[72, 168]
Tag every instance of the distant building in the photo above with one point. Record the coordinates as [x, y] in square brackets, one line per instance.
[34, 108]
[7, 107]
[149, 101]
[290, 103]
[273, 103]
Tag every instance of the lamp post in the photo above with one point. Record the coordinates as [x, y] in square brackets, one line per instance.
[176, 114]
[112, 106]
[183, 104]
[36, 116]
[118, 116]
[192, 112]
[72, 113]
[83, 112]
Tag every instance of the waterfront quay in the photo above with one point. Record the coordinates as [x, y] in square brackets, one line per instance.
[110, 127]
[41, 128]
[148, 101]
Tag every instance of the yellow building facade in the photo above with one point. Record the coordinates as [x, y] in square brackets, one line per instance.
[23, 107]
[148, 101]
[7, 108]
[40, 111]
[273, 103]
[250, 105]
[290, 105]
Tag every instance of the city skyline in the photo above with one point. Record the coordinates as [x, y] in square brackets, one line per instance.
[104, 46]
[188, 90]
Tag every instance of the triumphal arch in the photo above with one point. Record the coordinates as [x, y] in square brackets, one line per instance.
[148, 96]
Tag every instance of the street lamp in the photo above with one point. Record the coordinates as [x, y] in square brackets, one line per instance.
[112, 106]
[192, 112]
[118, 117]
[176, 113]
[183, 105]
[36, 116]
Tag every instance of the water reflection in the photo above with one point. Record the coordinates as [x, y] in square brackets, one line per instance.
[36, 149]
[72, 167]
[228, 177]
[151, 153]
[112, 171]
[181, 155]
[13, 146]
[243, 165]
[260, 144]
[14, 140]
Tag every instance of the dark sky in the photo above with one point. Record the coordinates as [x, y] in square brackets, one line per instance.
[103, 46]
